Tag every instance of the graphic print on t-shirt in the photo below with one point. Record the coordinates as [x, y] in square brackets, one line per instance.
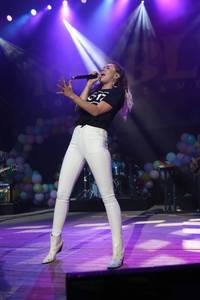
[97, 97]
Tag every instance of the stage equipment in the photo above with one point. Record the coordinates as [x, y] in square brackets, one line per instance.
[167, 172]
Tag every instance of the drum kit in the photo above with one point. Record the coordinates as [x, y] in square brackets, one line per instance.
[126, 180]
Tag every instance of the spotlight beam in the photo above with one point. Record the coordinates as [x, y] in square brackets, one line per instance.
[93, 57]
[138, 27]
[87, 60]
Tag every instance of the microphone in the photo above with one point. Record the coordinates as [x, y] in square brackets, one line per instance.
[89, 76]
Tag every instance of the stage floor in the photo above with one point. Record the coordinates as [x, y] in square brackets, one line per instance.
[150, 240]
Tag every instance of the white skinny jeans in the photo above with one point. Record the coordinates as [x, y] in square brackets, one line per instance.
[89, 144]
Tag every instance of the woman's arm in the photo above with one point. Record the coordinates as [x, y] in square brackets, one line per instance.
[92, 109]
[85, 93]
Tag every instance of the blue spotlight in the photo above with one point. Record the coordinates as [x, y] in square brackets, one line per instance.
[84, 1]
[33, 12]
[49, 7]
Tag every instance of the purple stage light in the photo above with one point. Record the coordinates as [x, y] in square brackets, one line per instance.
[84, 1]
[49, 7]
[9, 18]
[65, 9]
[171, 8]
[65, 3]
[33, 12]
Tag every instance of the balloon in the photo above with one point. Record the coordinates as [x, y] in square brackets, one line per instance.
[140, 172]
[37, 188]
[35, 172]
[19, 176]
[37, 130]
[53, 194]
[20, 168]
[156, 164]
[145, 176]
[45, 187]
[154, 174]
[51, 187]
[39, 197]
[46, 196]
[190, 139]
[189, 149]
[21, 138]
[182, 147]
[51, 202]
[176, 162]
[27, 179]
[19, 160]
[23, 195]
[19, 147]
[10, 161]
[186, 159]
[184, 136]
[149, 184]
[180, 156]
[36, 202]
[28, 187]
[28, 171]
[148, 167]
[13, 153]
[171, 156]
[36, 178]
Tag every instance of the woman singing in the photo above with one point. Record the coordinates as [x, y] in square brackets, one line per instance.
[97, 108]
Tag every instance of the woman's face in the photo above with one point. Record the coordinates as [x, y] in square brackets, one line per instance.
[108, 74]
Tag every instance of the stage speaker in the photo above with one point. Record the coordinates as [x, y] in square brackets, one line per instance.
[171, 282]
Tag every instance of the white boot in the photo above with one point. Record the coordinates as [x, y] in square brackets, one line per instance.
[117, 258]
[56, 244]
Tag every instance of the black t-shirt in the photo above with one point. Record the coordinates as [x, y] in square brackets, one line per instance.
[114, 97]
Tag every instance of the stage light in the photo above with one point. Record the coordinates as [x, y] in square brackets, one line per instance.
[65, 9]
[49, 7]
[33, 12]
[142, 2]
[138, 22]
[93, 57]
[84, 1]
[65, 3]
[9, 18]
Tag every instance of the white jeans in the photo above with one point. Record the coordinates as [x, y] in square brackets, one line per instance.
[89, 144]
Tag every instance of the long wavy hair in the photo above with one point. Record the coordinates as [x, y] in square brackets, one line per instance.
[121, 82]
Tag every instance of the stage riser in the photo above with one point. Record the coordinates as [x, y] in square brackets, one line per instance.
[164, 283]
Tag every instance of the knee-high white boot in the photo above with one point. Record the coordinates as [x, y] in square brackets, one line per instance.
[118, 256]
[56, 244]
[114, 218]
